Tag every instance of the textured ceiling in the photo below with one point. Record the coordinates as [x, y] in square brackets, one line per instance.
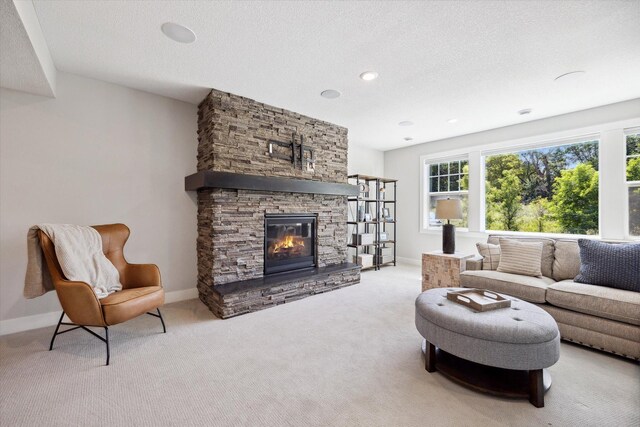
[477, 61]
[25, 64]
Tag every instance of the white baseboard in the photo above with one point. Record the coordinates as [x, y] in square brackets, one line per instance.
[409, 261]
[185, 294]
[26, 323]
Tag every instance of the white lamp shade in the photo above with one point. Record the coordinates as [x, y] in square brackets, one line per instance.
[448, 209]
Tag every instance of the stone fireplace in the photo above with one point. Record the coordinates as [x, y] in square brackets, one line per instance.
[270, 230]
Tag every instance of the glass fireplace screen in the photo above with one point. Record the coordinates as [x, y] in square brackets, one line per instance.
[289, 242]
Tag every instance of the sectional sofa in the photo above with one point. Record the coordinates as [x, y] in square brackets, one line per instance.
[596, 316]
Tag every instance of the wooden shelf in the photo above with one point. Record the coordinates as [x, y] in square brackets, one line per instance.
[372, 178]
[371, 222]
[357, 199]
[351, 245]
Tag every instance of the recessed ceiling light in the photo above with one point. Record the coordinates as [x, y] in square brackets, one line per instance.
[369, 75]
[570, 73]
[525, 111]
[408, 138]
[178, 32]
[405, 123]
[452, 121]
[330, 94]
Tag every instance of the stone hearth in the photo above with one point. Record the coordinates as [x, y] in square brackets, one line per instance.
[233, 138]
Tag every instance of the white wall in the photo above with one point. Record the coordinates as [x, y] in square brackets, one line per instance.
[98, 153]
[404, 165]
[365, 161]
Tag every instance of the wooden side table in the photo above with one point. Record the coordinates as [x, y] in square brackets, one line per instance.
[441, 270]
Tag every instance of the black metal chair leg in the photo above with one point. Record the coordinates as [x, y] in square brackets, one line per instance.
[164, 328]
[75, 326]
[53, 338]
[106, 335]
[106, 331]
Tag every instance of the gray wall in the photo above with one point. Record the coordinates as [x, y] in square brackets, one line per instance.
[365, 161]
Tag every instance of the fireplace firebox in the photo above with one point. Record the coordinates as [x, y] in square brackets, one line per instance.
[289, 242]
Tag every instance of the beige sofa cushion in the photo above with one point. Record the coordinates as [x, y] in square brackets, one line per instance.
[546, 264]
[593, 323]
[566, 264]
[490, 255]
[610, 303]
[532, 289]
[520, 257]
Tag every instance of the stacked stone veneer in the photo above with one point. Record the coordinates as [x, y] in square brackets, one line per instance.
[231, 230]
[233, 134]
[225, 306]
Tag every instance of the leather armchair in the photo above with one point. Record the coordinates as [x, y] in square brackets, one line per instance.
[141, 288]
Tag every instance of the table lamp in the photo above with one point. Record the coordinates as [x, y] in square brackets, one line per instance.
[448, 209]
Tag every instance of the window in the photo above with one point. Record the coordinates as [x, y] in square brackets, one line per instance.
[551, 189]
[633, 182]
[585, 184]
[446, 179]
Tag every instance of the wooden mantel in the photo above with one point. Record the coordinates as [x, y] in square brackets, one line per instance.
[236, 181]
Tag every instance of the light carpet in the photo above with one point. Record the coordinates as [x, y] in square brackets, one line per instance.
[345, 358]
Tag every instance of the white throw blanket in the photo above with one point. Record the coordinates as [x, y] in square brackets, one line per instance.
[79, 252]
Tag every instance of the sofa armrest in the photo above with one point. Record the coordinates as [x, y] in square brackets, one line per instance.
[474, 263]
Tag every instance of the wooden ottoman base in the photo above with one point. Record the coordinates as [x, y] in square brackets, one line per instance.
[510, 383]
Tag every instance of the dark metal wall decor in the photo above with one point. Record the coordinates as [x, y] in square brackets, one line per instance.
[297, 156]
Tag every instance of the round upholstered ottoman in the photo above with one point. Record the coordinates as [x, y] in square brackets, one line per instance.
[502, 351]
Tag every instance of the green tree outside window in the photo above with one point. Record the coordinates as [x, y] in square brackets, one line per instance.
[551, 190]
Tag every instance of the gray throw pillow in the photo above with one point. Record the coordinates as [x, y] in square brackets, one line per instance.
[523, 258]
[490, 255]
[616, 265]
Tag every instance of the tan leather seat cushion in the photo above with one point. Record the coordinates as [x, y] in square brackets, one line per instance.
[532, 289]
[129, 303]
[610, 303]
[546, 262]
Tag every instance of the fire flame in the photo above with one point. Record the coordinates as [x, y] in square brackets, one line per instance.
[288, 242]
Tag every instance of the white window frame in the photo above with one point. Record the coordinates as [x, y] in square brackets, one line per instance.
[426, 194]
[612, 189]
[629, 184]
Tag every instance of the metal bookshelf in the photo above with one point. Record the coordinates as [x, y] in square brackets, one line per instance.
[381, 195]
